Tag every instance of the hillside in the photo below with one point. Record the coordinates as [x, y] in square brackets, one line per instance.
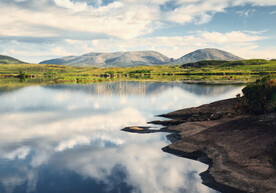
[117, 59]
[9, 60]
[206, 54]
[223, 63]
[139, 58]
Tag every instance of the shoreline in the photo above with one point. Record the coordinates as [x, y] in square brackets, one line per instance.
[207, 178]
[239, 149]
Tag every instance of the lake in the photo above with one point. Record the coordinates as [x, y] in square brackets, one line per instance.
[68, 138]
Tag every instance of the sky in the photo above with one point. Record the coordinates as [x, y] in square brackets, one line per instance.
[36, 30]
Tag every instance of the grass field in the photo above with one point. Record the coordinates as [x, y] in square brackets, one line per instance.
[237, 71]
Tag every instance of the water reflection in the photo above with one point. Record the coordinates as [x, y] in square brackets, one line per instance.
[146, 88]
[67, 138]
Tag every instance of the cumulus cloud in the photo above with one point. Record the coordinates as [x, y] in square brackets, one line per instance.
[36, 30]
[197, 11]
[89, 142]
[177, 46]
[230, 37]
[144, 172]
[122, 19]
[119, 18]
[19, 153]
[171, 46]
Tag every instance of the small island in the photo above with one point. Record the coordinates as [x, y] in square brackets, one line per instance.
[236, 137]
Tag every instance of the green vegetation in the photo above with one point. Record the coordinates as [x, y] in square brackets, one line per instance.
[204, 63]
[224, 64]
[9, 60]
[234, 65]
[209, 71]
[24, 75]
[143, 71]
[259, 97]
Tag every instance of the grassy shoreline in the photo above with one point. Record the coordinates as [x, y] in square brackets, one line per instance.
[205, 71]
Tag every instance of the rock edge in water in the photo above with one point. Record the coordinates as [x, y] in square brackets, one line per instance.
[240, 149]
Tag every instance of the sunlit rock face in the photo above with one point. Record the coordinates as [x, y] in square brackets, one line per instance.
[67, 138]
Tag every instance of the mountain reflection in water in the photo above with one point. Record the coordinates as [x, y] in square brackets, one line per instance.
[67, 138]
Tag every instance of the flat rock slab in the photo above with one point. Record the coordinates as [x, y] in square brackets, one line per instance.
[242, 150]
[218, 108]
[138, 129]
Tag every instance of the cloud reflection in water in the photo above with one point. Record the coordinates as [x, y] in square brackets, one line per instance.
[73, 132]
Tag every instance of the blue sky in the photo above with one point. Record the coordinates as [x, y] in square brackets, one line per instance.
[35, 30]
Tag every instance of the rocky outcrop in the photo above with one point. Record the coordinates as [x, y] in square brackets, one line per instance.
[240, 149]
[139, 129]
[212, 111]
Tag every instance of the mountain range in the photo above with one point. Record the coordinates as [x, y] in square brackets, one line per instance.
[131, 58]
[116, 59]
[140, 58]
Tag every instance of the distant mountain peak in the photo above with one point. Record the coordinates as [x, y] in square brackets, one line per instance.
[207, 54]
[115, 59]
[139, 58]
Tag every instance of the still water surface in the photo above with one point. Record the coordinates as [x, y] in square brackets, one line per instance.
[67, 138]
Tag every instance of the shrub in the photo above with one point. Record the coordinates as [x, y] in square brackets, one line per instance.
[248, 62]
[23, 75]
[140, 71]
[259, 97]
[203, 63]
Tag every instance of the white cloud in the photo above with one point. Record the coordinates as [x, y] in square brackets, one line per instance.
[171, 46]
[50, 132]
[68, 144]
[19, 153]
[230, 37]
[119, 19]
[123, 19]
[77, 6]
[35, 30]
[196, 11]
[177, 46]
[246, 12]
[255, 2]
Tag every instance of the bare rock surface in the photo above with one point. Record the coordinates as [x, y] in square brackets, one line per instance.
[224, 107]
[140, 129]
[240, 149]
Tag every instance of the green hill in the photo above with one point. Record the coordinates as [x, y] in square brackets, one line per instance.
[9, 60]
[224, 63]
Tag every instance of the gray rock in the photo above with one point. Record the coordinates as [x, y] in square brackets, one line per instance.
[216, 116]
